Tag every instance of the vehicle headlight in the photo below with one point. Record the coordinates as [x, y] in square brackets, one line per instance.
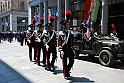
[119, 48]
[115, 47]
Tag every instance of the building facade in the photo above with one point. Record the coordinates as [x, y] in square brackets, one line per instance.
[13, 15]
[113, 10]
[116, 16]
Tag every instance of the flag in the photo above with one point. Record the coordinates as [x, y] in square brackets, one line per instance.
[88, 25]
[96, 10]
[37, 18]
[56, 14]
[87, 9]
[89, 19]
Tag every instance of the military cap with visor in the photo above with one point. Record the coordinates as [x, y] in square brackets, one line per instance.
[41, 25]
[68, 17]
[51, 19]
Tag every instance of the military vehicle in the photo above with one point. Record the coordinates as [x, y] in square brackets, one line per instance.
[106, 48]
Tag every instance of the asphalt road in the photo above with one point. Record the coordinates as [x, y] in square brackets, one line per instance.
[15, 67]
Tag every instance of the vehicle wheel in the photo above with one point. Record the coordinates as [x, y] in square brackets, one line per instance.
[122, 60]
[106, 58]
[76, 54]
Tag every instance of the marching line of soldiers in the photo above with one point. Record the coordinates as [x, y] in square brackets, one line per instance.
[9, 36]
[47, 41]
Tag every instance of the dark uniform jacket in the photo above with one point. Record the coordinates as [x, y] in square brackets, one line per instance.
[63, 36]
[41, 36]
[32, 39]
[53, 41]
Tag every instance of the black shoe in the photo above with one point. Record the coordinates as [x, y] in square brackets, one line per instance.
[44, 65]
[48, 69]
[67, 78]
[53, 67]
[39, 64]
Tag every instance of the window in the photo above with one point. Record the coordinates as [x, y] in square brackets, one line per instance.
[22, 8]
[8, 5]
[82, 5]
[1, 8]
[77, 5]
[5, 6]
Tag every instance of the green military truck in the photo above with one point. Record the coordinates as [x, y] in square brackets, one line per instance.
[107, 48]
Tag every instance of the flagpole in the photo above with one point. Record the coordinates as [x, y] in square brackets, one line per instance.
[102, 16]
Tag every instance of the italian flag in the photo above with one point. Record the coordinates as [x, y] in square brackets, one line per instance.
[56, 14]
[96, 9]
[87, 9]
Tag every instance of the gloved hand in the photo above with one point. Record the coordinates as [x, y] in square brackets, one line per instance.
[28, 41]
[47, 47]
[61, 54]
[38, 40]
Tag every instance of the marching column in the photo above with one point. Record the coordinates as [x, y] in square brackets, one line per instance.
[45, 12]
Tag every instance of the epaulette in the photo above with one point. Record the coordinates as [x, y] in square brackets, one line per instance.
[61, 33]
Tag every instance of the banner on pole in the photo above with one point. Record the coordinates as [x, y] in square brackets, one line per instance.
[87, 9]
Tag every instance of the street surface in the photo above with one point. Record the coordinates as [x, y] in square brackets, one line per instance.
[15, 67]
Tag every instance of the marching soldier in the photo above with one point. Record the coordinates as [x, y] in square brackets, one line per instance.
[30, 37]
[66, 45]
[50, 45]
[22, 36]
[40, 40]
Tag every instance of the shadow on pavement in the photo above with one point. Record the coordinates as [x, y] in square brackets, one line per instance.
[57, 71]
[80, 80]
[116, 65]
[14, 76]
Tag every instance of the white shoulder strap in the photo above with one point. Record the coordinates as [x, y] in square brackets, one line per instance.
[31, 35]
[65, 42]
[50, 38]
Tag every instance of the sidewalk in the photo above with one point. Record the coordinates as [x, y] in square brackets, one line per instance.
[16, 68]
